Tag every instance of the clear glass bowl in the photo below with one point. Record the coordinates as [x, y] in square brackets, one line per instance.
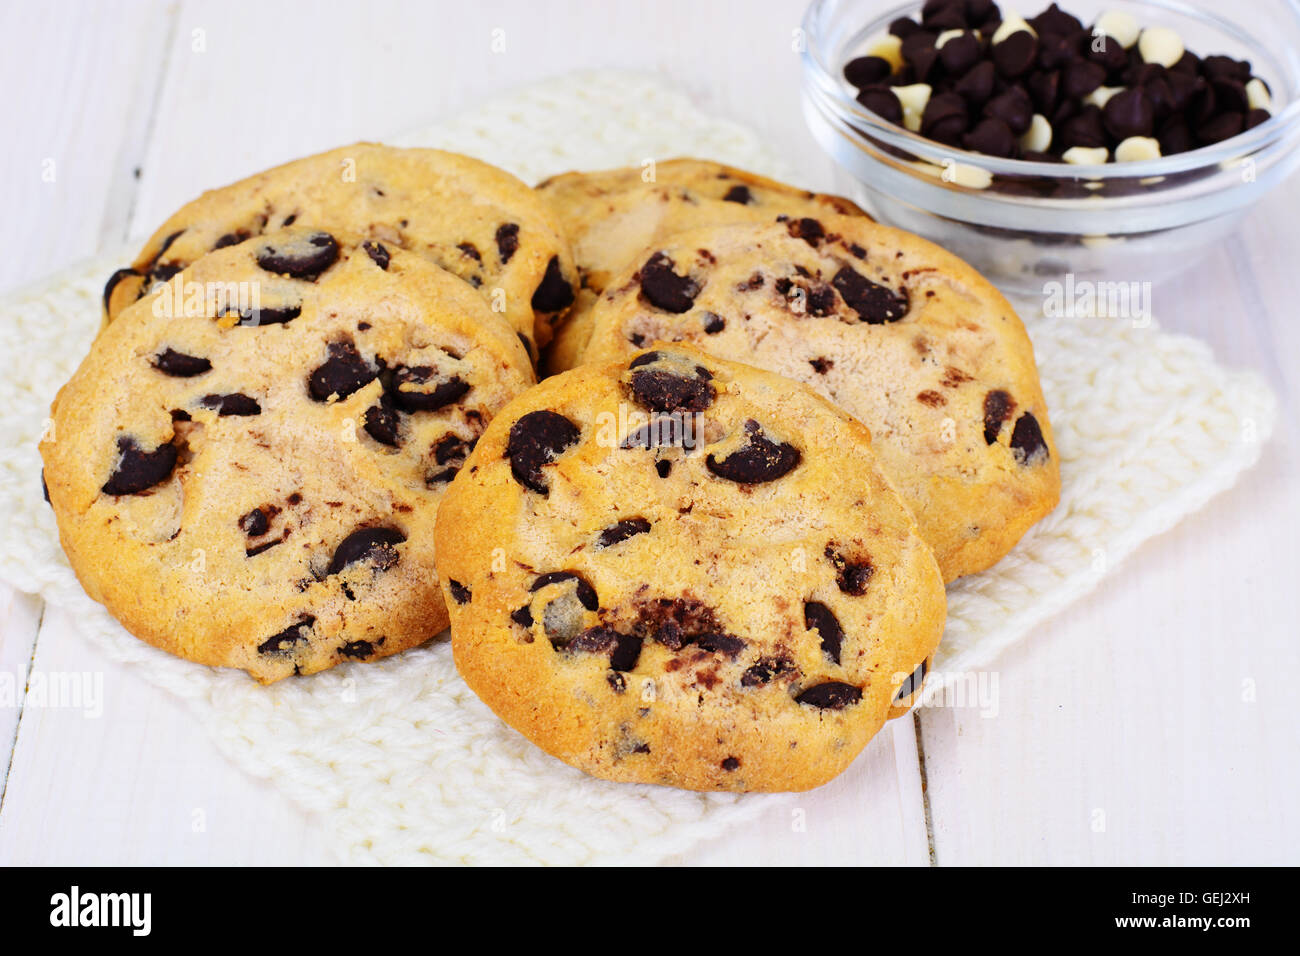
[1021, 223]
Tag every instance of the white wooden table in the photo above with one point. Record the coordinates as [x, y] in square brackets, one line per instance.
[1151, 723]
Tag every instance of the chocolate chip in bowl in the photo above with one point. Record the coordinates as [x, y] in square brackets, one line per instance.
[1092, 137]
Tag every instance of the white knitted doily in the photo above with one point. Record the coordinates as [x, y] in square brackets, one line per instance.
[400, 758]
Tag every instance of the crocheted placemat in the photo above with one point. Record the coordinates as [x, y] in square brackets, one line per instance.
[400, 758]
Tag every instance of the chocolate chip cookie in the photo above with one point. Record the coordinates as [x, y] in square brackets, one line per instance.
[245, 470]
[471, 218]
[611, 215]
[679, 570]
[901, 334]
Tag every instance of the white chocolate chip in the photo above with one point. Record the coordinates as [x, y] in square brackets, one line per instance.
[945, 36]
[1258, 95]
[972, 177]
[887, 47]
[1012, 22]
[1137, 148]
[1038, 138]
[1083, 156]
[1121, 25]
[1160, 45]
[914, 99]
[1101, 95]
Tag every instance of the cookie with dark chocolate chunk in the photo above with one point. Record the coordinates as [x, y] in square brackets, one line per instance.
[743, 619]
[262, 494]
[898, 332]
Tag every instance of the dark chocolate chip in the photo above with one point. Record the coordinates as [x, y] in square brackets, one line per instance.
[731, 763]
[1015, 55]
[1013, 107]
[1084, 129]
[231, 239]
[553, 293]
[818, 617]
[536, 439]
[883, 102]
[713, 323]
[372, 545]
[1224, 126]
[873, 303]
[1054, 20]
[458, 591]
[832, 695]
[586, 593]
[978, 83]
[940, 15]
[179, 365]
[1256, 118]
[808, 229]
[1044, 90]
[913, 682]
[851, 576]
[903, 27]
[665, 391]
[627, 650]
[946, 118]
[616, 533]
[470, 250]
[821, 365]
[523, 617]
[255, 523]
[664, 431]
[357, 650]
[1129, 113]
[416, 400]
[757, 461]
[998, 406]
[377, 253]
[960, 53]
[1081, 77]
[258, 549]
[1106, 51]
[663, 468]
[271, 316]
[383, 423]
[741, 194]
[235, 403]
[918, 52]
[114, 280]
[507, 241]
[343, 373]
[861, 71]
[284, 642]
[138, 470]
[1175, 137]
[300, 258]
[992, 137]
[1027, 442]
[766, 670]
[665, 289]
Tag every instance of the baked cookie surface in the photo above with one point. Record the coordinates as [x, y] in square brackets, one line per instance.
[609, 216]
[684, 571]
[898, 332]
[469, 217]
[246, 468]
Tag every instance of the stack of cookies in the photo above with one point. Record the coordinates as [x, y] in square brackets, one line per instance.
[708, 550]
